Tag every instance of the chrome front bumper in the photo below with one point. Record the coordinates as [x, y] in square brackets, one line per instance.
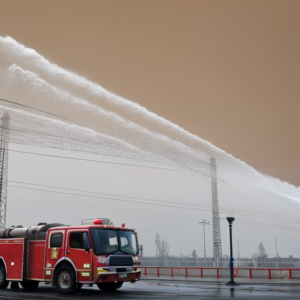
[115, 276]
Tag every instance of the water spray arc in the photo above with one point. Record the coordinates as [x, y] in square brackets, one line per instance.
[3, 168]
[55, 108]
[217, 246]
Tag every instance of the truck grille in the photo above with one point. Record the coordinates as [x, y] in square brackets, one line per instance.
[122, 260]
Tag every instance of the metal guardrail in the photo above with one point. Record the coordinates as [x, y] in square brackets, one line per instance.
[220, 272]
[224, 263]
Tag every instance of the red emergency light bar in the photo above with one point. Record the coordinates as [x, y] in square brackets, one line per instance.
[103, 221]
[98, 222]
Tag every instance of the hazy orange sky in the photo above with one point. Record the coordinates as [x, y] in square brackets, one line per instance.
[227, 71]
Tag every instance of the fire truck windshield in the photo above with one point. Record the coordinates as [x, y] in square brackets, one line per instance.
[109, 241]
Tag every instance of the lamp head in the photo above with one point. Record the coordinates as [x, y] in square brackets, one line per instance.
[230, 220]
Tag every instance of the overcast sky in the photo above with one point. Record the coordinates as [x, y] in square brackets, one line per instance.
[227, 71]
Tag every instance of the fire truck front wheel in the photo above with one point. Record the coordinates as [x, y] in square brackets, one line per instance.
[110, 286]
[65, 283]
[3, 282]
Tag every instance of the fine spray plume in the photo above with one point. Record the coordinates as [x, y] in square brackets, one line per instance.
[55, 108]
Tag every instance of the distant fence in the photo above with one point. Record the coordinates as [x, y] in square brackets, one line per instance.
[223, 263]
[266, 273]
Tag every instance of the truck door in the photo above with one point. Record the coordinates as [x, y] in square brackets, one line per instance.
[75, 251]
[54, 251]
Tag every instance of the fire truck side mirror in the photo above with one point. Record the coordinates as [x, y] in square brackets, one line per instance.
[86, 242]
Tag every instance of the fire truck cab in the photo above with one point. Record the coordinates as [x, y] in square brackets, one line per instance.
[95, 252]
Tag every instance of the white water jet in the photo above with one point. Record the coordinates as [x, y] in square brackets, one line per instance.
[52, 107]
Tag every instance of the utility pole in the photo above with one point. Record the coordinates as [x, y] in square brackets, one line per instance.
[276, 253]
[141, 248]
[217, 246]
[238, 244]
[4, 135]
[204, 223]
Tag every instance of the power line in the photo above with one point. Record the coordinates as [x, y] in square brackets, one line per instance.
[156, 204]
[97, 207]
[92, 160]
[269, 225]
[245, 221]
[66, 119]
[243, 212]
[106, 198]
[109, 194]
[224, 210]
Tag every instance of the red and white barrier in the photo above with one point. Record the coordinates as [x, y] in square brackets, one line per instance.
[189, 272]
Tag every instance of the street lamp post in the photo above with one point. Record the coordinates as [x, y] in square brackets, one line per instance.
[230, 221]
[204, 223]
[141, 248]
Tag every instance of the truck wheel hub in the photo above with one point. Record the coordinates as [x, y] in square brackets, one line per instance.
[65, 280]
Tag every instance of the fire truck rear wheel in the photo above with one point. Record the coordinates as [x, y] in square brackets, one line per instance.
[65, 282]
[30, 285]
[110, 286]
[3, 282]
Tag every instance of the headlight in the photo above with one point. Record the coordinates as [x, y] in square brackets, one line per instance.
[136, 259]
[102, 260]
[100, 270]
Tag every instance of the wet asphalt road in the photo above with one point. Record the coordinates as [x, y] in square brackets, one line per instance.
[155, 289]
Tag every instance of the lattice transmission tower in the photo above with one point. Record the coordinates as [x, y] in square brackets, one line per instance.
[3, 167]
[217, 245]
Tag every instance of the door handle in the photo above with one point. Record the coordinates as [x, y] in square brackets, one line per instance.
[68, 252]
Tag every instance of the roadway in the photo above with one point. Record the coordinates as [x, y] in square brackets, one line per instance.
[166, 289]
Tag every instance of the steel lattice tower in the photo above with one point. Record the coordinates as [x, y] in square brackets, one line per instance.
[217, 246]
[3, 167]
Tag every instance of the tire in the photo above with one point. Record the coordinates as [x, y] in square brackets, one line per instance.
[30, 285]
[65, 280]
[110, 286]
[3, 282]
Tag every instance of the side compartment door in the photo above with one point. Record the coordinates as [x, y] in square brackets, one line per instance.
[14, 262]
[75, 251]
[54, 251]
[35, 259]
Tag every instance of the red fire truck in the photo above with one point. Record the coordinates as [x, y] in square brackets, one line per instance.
[96, 252]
